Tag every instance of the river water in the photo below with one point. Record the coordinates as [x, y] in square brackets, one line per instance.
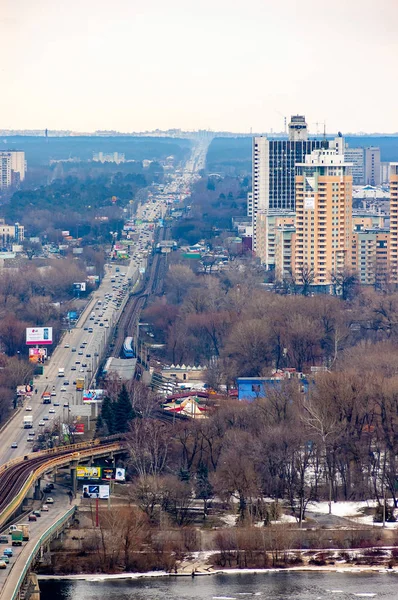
[261, 586]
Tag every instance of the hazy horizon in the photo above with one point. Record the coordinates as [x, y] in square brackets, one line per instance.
[222, 66]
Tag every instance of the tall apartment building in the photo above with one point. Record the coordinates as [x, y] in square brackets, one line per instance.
[394, 221]
[323, 216]
[273, 169]
[12, 168]
[370, 255]
[372, 166]
[356, 156]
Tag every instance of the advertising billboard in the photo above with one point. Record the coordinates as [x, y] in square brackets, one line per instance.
[37, 355]
[79, 429]
[79, 287]
[93, 278]
[120, 474]
[92, 396]
[96, 491]
[83, 472]
[39, 336]
[109, 474]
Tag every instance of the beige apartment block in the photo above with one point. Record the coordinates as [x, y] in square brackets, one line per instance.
[323, 216]
[394, 222]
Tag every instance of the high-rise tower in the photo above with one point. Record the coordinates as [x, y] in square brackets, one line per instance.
[323, 242]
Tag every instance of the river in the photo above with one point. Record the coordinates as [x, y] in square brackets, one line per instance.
[264, 586]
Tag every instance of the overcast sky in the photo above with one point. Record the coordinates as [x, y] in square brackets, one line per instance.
[230, 65]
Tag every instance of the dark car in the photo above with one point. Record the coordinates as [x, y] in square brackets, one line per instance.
[32, 517]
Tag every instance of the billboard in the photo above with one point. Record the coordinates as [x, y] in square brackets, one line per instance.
[96, 491]
[120, 474]
[65, 233]
[109, 474]
[92, 396]
[83, 472]
[37, 355]
[93, 278]
[39, 336]
[79, 287]
[79, 428]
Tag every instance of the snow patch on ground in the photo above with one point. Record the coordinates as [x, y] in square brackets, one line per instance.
[342, 509]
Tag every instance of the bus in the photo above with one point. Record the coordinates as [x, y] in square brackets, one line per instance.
[128, 347]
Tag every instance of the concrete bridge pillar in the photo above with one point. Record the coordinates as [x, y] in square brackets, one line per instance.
[37, 492]
[73, 479]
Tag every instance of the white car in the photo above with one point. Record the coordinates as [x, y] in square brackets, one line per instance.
[50, 501]
[28, 408]
[63, 389]
[51, 411]
[44, 508]
[67, 346]
[41, 423]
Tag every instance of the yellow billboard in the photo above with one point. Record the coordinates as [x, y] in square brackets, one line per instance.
[88, 472]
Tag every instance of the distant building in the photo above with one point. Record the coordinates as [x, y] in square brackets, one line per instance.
[11, 233]
[268, 221]
[384, 172]
[274, 169]
[113, 157]
[12, 168]
[372, 166]
[370, 255]
[356, 156]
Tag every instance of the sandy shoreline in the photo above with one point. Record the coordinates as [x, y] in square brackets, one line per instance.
[123, 576]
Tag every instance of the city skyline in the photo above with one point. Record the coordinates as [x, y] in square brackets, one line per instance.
[83, 68]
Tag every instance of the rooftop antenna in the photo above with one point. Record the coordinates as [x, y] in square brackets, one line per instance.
[324, 141]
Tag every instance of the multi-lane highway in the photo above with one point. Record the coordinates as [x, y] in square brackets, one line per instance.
[81, 349]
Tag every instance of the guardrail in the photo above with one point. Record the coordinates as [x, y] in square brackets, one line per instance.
[51, 463]
[47, 534]
[49, 451]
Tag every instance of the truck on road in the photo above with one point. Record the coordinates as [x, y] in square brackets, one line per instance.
[46, 396]
[24, 527]
[17, 537]
[28, 422]
[80, 384]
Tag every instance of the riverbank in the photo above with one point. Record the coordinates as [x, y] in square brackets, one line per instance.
[152, 574]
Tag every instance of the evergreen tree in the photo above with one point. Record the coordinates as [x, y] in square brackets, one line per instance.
[108, 415]
[203, 487]
[124, 412]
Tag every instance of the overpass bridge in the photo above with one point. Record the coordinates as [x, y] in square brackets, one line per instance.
[19, 476]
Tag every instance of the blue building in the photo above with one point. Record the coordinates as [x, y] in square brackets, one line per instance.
[251, 388]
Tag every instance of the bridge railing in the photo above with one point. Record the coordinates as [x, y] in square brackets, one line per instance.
[43, 538]
[51, 463]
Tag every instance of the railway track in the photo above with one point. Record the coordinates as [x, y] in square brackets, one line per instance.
[14, 476]
[128, 320]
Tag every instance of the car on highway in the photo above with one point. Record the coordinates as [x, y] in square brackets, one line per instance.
[73, 350]
[14, 445]
[67, 346]
[3, 539]
[73, 368]
[32, 517]
[63, 389]
[44, 508]
[78, 361]
[31, 434]
[8, 552]
[84, 364]
[53, 393]
[82, 370]
[85, 328]
[28, 408]
[41, 423]
[55, 404]
[45, 418]
[51, 411]
[37, 513]
[2, 564]
[88, 355]
[5, 558]
[66, 404]
[80, 353]
[66, 382]
[50, 500]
